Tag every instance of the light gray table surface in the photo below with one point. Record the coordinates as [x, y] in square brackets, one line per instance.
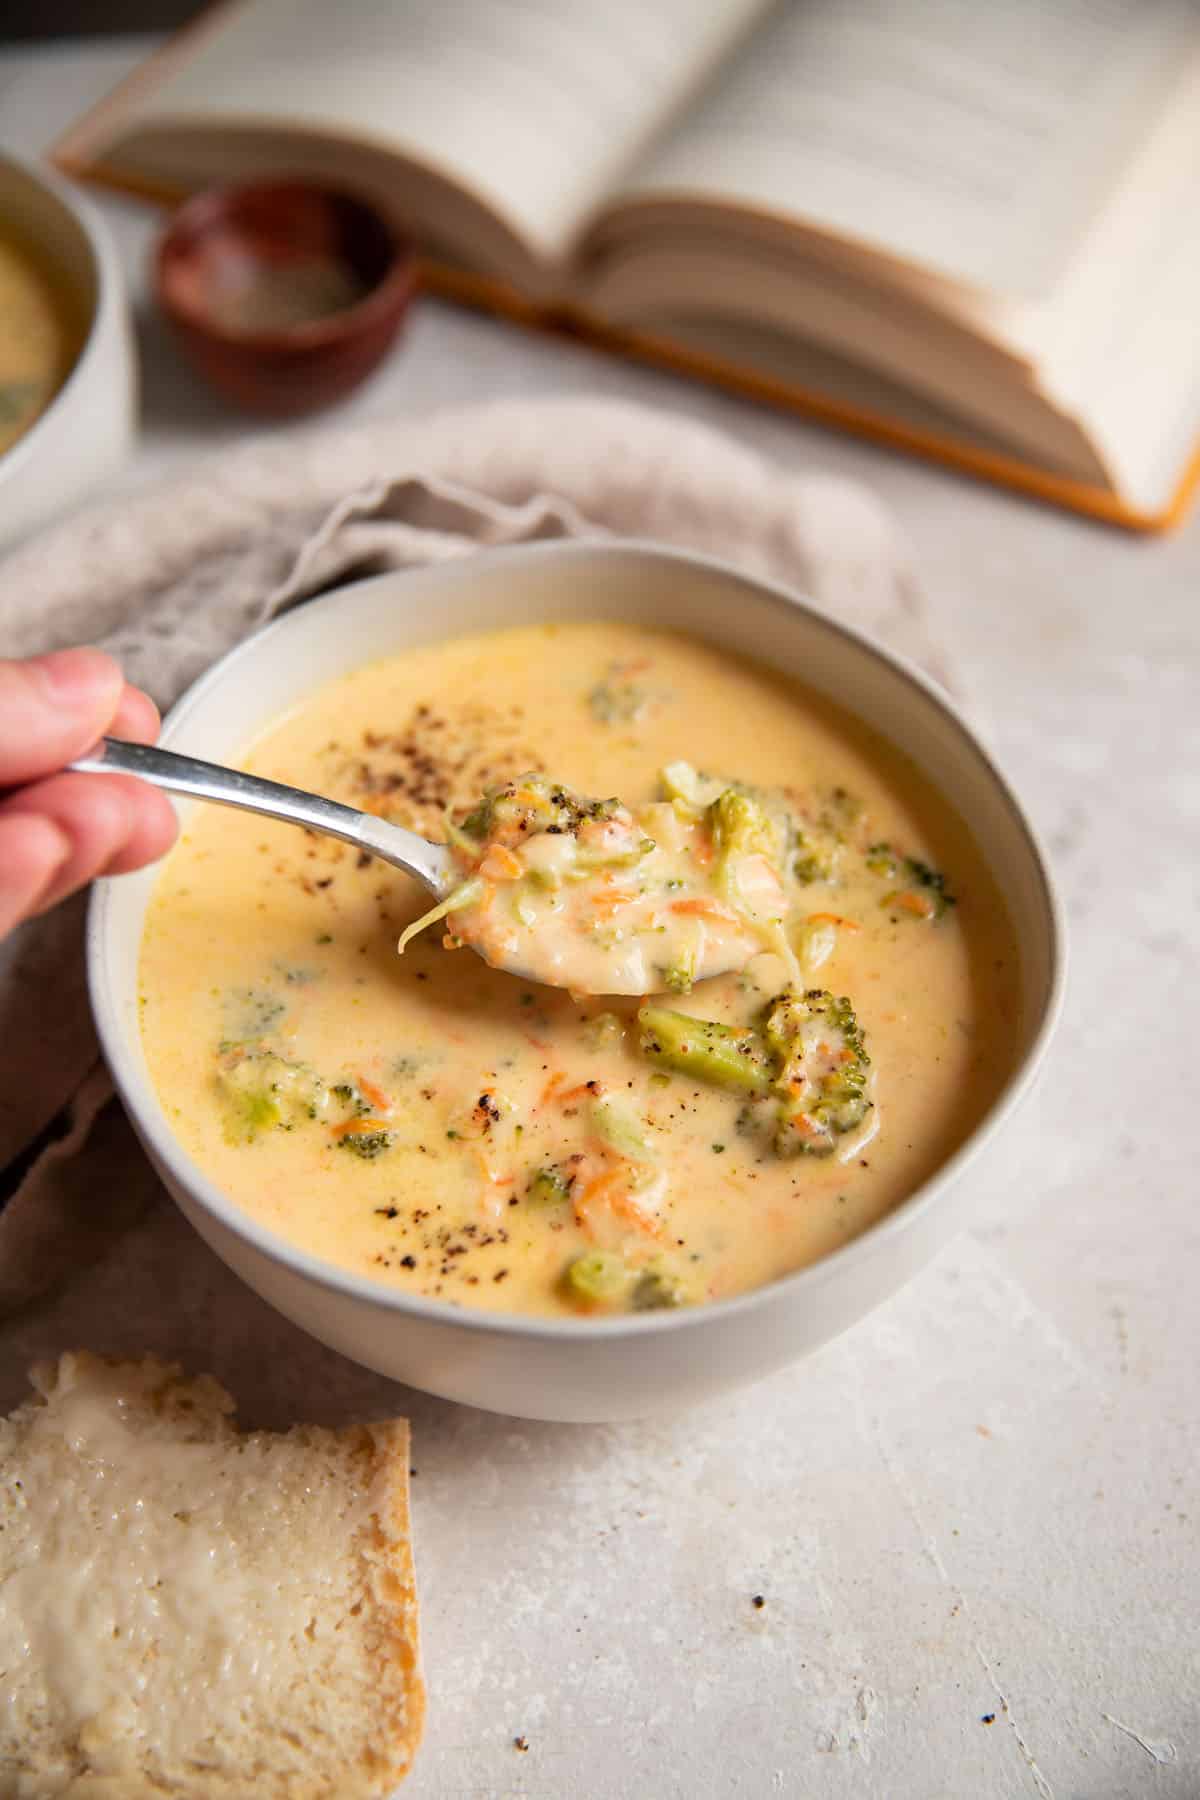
[974, 1518]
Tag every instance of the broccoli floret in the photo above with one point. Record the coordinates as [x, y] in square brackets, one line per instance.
[882, 860]
[746, 819]
[819, 842]
[596, 1278]
[728, 1056]
[367, 1144]
[603, 1031]
[530, 804]
[740, 826]
[548, 1187]
[466, 834]
[655, 1289]
[349, 1099]
[679, 781]
[814, 858]
[617, 700]
[805, 1069]
[263, 1091]
[822, 1067]
[680, 976]
[923, 891]
[932, 880]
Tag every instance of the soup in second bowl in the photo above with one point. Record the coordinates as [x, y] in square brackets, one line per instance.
[40, 338]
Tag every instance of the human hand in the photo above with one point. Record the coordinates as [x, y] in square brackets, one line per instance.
[59, 830]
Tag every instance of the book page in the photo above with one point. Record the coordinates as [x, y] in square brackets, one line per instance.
[977, 141]
[1120, 345]
[533, 105]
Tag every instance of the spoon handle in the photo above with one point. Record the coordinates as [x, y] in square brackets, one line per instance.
[232, 787]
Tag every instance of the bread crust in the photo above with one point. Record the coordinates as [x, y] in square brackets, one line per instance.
[392, 1442]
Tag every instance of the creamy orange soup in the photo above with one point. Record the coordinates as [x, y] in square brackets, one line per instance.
[457, 1132]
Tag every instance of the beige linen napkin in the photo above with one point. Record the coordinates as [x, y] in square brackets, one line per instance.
[170, 579]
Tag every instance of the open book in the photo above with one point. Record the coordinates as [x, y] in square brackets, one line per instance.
[967, 228]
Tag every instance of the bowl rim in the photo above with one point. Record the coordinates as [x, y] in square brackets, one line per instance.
[794, 1286]
[106, 273]
[390, 293]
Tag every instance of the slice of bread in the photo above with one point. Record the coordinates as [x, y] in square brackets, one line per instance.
[191, 1612]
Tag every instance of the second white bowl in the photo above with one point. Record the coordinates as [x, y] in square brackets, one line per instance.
[88, 428]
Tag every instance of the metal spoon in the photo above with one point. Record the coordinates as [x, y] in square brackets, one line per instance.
[431, 864]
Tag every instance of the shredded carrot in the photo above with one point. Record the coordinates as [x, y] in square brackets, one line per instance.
[826, 918]
[500, 865]
[375, 1095]
[537, 1042]
[919, 904]
[526, 797]
[702, 907]
[354, 1128]
[803, 1126]
[702, 850]
[611, 899]
[578, 1093]
[610, 1191]
[551, 1088]
[626, 1207]
[596, 1192]
[602, 1184]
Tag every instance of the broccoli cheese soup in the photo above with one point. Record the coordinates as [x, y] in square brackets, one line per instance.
[476, 1138]
[40, 339]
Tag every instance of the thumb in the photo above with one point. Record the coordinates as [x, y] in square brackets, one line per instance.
[53, 708]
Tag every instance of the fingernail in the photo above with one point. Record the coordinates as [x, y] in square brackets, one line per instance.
[77, 677]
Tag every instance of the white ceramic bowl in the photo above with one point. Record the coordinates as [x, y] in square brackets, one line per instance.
[609, 1368]
[88, 428]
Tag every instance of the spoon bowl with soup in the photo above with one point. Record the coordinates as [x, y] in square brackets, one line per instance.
[542, 882]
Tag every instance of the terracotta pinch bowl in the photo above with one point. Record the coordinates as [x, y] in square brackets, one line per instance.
[286, 293]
